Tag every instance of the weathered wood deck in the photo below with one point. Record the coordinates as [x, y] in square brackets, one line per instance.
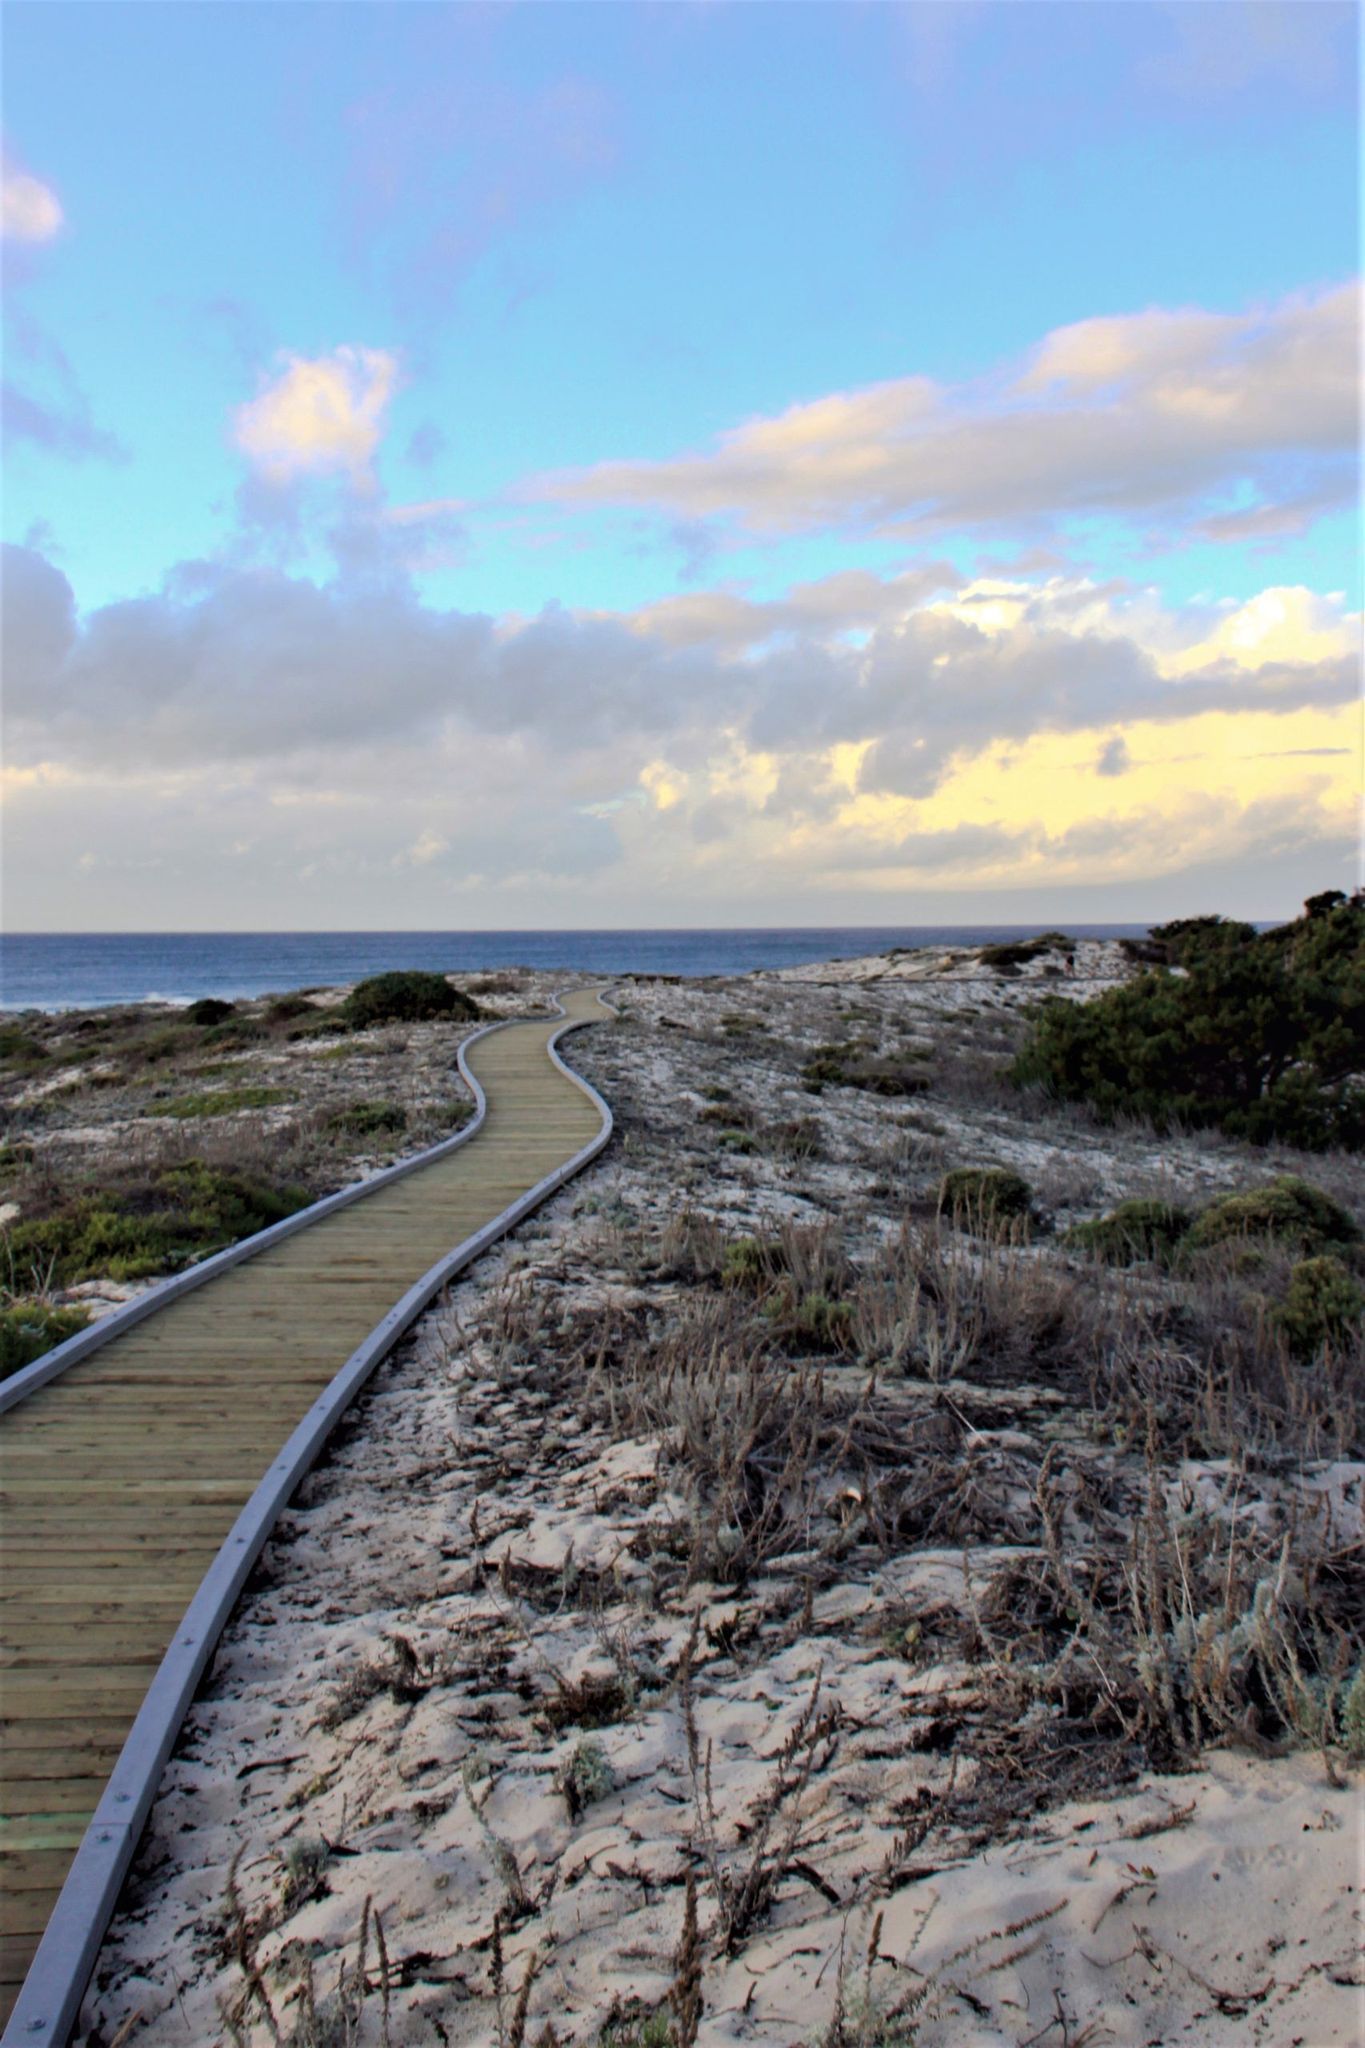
[122, 1478]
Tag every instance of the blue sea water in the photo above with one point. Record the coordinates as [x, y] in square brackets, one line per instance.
[60, 970]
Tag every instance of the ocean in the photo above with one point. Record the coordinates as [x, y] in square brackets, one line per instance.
[62, 971]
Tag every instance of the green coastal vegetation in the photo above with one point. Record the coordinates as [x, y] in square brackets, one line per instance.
[1257, 1034]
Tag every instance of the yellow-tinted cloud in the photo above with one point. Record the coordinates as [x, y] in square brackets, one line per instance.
[321, 414]
[1282, 623]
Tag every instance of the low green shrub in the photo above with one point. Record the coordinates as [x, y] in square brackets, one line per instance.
[753, 1263]
[407, 997]
[811, 1322]
[30, 1329]
[368, 1119]
[235, 1031]
[1292, 1212]
[210, 1010]
[984, 1197]
[1323, 1305]
[737, 1141]
[220, 1102]
[828, 1066]
[853, 1066]
[1136, 1229]
[178, 1214]
[798, 1137]
[285, 1009]
[20, 1049]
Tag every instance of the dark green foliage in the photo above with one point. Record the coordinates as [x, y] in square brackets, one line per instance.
[20, 1050]
[162, 1042]
[852, 1066]
[30, 1329]
[14, 1154]
[177, 1214]
[828, 1065]
[1323, 1306]
[235, 1031]
[753, 1262]
[210, 1010]
[798, 1137]
[1295, 1214]
[984, 1197]
[1136, 1229]
[810, 1322]
[285, 1009]
[1261, 1034]
[367, 1119]
[888, 1077]
[737, 1141]
[405, 998]
[1014, 952]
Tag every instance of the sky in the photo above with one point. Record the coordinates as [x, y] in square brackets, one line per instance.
[498, 466]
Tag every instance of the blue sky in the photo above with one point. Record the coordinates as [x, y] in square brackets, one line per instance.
[558, 261]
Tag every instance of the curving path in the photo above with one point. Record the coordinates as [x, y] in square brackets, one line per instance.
[133, 1497]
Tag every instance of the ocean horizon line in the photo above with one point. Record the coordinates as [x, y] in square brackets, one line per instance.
[88, 970]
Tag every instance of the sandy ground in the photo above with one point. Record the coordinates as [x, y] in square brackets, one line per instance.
[481, 1688]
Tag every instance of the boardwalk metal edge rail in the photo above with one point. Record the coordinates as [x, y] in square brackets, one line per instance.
[49, 2003]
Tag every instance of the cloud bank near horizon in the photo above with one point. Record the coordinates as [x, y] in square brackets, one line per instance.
[858, 736]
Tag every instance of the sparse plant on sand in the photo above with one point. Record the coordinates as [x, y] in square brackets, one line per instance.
[584, 1776]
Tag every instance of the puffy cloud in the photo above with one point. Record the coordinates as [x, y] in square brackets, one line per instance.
[1169, 410]
[321, 415]
[1112, 758]
[30, 211]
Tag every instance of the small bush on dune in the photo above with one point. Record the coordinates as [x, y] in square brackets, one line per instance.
[1013, 953]
[984, 1197]
[210, 1010]
[368, 1119]
[408, 997]
[1137, 1229]
[287, 1009]
[1323, 1306]
[219, 1102]
[852, 1066]
[1288, 1210]
[20, 1050]
[753, 1263]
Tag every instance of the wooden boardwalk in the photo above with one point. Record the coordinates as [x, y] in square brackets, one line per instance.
[122, 1477]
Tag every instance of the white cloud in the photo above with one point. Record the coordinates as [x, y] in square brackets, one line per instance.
[320, 415]
[30, 211]
[1170, 410]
